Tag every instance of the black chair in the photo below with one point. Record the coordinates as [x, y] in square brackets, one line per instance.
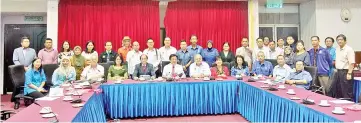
[17, 76]
[106, 67]
[164, 63]
[49, 70]
[273, 61]
[313, 87]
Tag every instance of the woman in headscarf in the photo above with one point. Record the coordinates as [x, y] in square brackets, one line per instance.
[78, 61]
[209, 54]
[64, 73]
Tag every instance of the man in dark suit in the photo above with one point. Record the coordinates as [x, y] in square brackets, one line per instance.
[108, 55]
[143, 68]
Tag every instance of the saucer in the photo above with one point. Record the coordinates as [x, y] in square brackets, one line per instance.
[338, 112]
[281, 87]
[219, 79]
[77, 94]
[48, 115]
[69, 93]
[77, 105]
[325, 105]
[67, 99]
[264, 86]
[45, 111]
[66, 85]
[291, 93]
[295, 98]
[77, 87]
[118, 82]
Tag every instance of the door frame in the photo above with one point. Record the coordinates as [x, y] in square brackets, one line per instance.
[274, 26]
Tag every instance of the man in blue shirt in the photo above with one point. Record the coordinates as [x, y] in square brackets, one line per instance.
[209, 54]
[282, 70]
[300, 78]
[194, 48]
[262, 67]
[329, 46]
[320, 58]
[184, 57]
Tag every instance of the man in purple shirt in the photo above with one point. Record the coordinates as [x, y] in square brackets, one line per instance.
[320, 58]
[48, 55]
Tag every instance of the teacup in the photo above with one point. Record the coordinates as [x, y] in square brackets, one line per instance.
[338, 109]
[324, 102]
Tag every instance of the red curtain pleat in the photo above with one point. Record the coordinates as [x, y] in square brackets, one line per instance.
[219, 21]
[108, 20]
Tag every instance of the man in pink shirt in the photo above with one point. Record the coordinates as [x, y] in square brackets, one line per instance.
[48, 55]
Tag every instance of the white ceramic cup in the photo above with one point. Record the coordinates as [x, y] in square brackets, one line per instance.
[281, 86]
[324, 102]
[338, 109]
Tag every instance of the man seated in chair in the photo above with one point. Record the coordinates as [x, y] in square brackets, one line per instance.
[262, 67]
[300, 78]
[94, 71]
[199, 68]
[173, 70]
[143, 68]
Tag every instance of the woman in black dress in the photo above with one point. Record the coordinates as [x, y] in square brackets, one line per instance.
[226, 54]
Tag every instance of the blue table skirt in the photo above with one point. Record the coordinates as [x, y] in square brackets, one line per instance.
[93, 110]
[357, 90]
[258, 105]
[170, 99]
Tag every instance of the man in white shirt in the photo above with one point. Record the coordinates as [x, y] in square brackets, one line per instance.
[199, 68]
[133, 58]
[153, 56]
[93, 71]
[172, 70]
[282, 70]
[167, 50]
[260, 47]
[246, 52]
[274, 52]
[266, 42]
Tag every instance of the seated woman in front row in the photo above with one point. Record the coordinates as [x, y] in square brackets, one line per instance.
[219, 70]
[240, 67]
[65, 72]
[118, 71]
[35, 80]
[300, 78]
[143, 68]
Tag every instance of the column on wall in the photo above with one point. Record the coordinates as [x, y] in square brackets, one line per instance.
[52, 21]
[253, 22]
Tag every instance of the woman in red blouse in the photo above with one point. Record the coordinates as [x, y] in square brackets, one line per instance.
[219, 71]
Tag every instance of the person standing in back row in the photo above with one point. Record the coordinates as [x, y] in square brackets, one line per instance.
[194, 48]
[345, 61]
[320, 58]
[125, 47]
[24, 55]
[48, 55]
[167, 50]
[153, 56]
[108, 55]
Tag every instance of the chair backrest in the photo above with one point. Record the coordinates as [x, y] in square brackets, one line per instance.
[49, 70]
[164, 63]
[273, 61]
[313, 71]
[17, 75]
[106, 67]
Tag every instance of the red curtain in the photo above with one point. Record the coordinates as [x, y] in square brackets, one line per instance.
[103, 20]
[219, 21]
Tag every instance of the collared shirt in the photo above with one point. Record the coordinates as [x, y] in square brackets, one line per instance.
[332, 52]
[281, 73]
[198, 70]
[246, 52]
[193, 51]
[209, 55]
[264, 68]
[59, 77]
[184, 57]
[90, 73]
[239, 71]
[321, 59]
[35, 78]
[87, 56]
[175, 69]
[153, 57]
[107, 56]
[166, 52]
[275, 53]
[344, 57]
[133, 58]
[302, 75]
[48, 56]
[264, 50]
[124, 51]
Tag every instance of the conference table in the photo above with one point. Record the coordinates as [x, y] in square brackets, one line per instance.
[134, 99]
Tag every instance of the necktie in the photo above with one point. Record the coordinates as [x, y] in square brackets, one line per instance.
[173, 73]
[144, 68]
[108, 56]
